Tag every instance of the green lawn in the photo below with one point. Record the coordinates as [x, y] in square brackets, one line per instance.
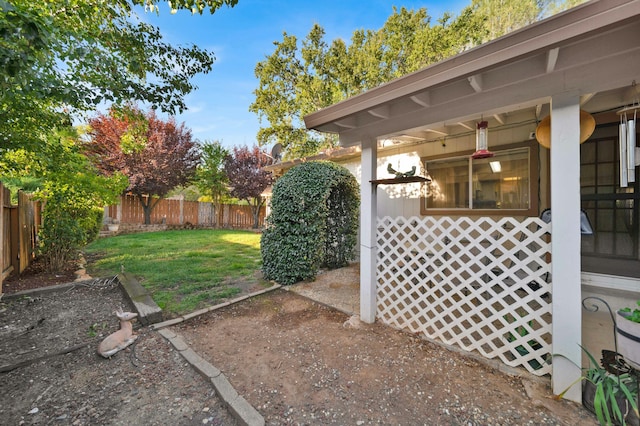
[183, 270]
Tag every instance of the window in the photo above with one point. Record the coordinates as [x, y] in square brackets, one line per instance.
[612, 211]
[449, 187]
[503, 183]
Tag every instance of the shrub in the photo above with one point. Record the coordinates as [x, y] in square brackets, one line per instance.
[313, 222]
[66, 228]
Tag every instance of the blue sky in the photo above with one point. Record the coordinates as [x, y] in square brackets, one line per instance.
[242, 36]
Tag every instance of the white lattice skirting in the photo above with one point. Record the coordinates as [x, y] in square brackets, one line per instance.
[477, 283]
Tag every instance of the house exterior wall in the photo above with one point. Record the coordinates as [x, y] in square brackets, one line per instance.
[404, 200]
[584, 58]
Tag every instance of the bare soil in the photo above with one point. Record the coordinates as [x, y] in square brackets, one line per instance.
[301, 363]
[50, 372]
[37, 276]
[296, 361]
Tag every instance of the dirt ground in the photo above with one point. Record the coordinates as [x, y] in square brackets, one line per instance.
[296, 361]
[147, 384]
[299, 362]
[36, 276]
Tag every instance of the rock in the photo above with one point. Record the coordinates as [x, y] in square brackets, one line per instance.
[353, 322]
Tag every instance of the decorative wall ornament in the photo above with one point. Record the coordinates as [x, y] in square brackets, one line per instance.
[627, 141]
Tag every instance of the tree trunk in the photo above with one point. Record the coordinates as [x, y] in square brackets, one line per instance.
[255, 210]
[216, 214]
[147, 207]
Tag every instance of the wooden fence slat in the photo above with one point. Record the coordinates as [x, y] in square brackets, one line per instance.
[181, 212]
[5, 217]
[21, 249]
[18, 231]
[26, 227]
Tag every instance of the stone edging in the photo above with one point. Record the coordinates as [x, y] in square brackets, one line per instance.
[244, 413]
[238, 406]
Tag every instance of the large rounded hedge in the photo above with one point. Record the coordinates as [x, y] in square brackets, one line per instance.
[313, 222]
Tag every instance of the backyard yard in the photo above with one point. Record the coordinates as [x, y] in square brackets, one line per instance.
[296, 361]
[183, 270]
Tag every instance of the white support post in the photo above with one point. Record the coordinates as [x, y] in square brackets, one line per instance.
[368, 218]
[565, 244]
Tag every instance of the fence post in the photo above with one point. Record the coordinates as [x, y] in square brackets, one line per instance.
[20, 247]
[24, 230]
[226, 213]
[181, 217]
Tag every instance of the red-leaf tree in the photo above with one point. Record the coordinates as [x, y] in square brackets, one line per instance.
[156, 155]
[247, 178]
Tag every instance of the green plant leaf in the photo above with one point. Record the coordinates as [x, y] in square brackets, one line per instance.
[313, 222]
[600, 405]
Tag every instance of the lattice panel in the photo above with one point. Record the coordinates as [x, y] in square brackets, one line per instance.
[478, 283]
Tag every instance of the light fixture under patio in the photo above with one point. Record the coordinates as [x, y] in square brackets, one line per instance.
[482, 141]
[587, 126]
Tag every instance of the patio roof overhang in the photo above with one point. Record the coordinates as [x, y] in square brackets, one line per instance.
[591, 51]
[585, 58]
[331, 154]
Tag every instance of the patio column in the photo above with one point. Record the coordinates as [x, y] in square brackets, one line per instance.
[565, 244]
[368, 217]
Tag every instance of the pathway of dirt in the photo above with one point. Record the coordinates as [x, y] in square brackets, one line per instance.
[298, 362]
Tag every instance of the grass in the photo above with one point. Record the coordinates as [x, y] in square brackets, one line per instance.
[183, 270]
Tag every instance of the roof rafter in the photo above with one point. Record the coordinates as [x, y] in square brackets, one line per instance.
[423, 99]
[380, 112]
[552, 59]
[476, 82]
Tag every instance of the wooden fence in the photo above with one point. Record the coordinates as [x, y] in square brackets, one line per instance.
[19, 224]
[7, 210]
[181, 212]
[18, 232]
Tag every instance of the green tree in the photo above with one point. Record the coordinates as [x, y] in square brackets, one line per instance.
[155, 155]
[72, 190]
[59, 58]
[557, 6]
[503, 16]
[247, 177]
[300, 78]
[283, 98]
[211, 178]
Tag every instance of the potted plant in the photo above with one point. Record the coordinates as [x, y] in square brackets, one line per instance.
[628, 335]
[611, 397]
[519, 333]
